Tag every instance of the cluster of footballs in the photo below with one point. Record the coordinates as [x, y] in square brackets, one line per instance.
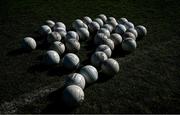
[107, 33]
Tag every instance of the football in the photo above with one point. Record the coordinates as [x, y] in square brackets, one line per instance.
[90, 74]
[104, 48]
[50, 23]
[122, 20]
[112, 21]
[99, 21]
[45, 30]
[28, 43]
[60, 24]
[51, 58]
[97, 58]
[98, 39]
[129, 44]
[141, 30]
[73, 96]
[71, 61]
[117, 39]
[53, 36]
[108, 42]
[72, 35]
[78, 24]
[75, 79]
[93, 27]
[105, 31]
[58, 46]
[61, 31]
[72, 45]
[109, 27]
[128, 35]
[120, 29]
[102, 17]
[110, 67]
[83, 33]
[87, 20]
[128, 25]
[132, 30]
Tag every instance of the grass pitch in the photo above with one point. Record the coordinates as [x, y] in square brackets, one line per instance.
[149, 78]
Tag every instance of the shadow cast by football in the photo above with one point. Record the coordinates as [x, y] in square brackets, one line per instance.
[86, 62]
[42, 45]
[54, 70]
[38, 68]
[59, 71]
[119, 52]
[18, 51]
[56, 104]
[90, 45]
[103, 78]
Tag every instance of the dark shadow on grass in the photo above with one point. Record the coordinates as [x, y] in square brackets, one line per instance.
[119, 52]
[18, 51]
[54, 70]
[58, 71]
[42, 45]
[103, 78]
[90, 45]
[38, 68]
[56, 105]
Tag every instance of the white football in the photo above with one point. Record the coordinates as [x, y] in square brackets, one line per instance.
[83, 33]
[103, 17]
[53, 36]
[110, 67]
[72, 35]
[108, 42]
[109, 27]
[93, 27]
[122, 20]
[112, 21]
[58, 46]
[72, 45]
[105, 31]
[128, 25]
[61, 31]
[97, 58]
[50, 23]
[109, 19]
[75, 79]
[71, 61]
[104, 48]
[28, 43]
[59, 24]
[129, 35]
[73, 96]
[132, 30]
[78, 24]
[117, 39]
[120, 29]
[99, 21]
[141, 30]
[98, 39]
[90, 74]
[129, 44]
[87, 20]
[51, 58]
[45, 30]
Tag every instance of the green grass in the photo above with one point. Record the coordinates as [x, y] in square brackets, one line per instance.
[148, 81]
